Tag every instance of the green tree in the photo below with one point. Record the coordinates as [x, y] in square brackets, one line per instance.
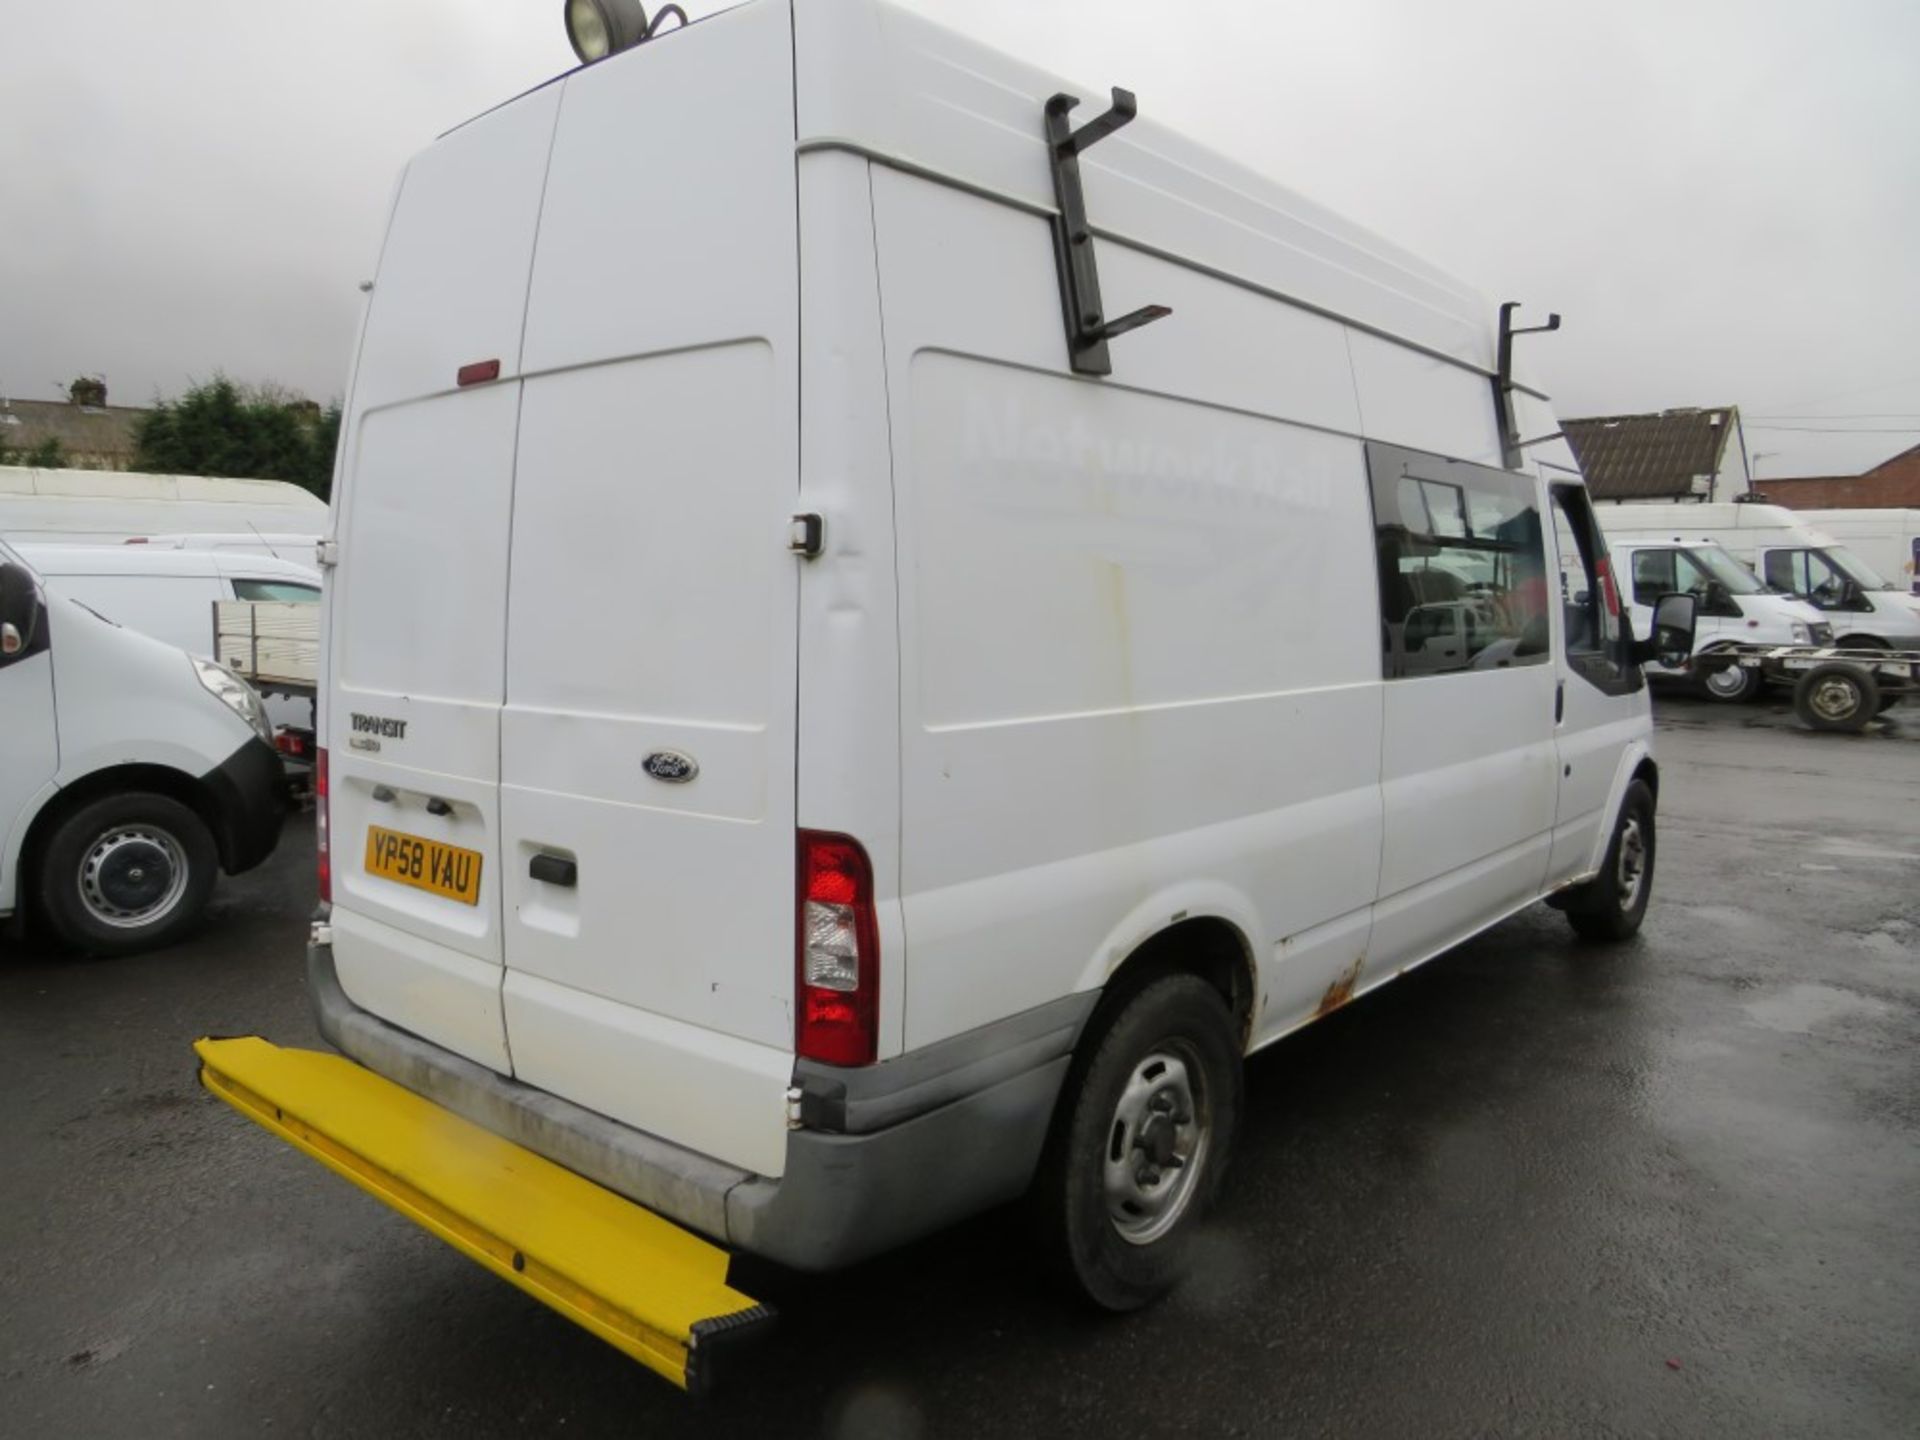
[260, 431]
[47, 455]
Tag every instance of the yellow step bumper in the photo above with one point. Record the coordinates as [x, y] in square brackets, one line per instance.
[639, 1282]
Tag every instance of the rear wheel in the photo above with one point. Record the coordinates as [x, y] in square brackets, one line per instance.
[1611, 906]
[1141, 1142]
[126, 873]
[1837, 696]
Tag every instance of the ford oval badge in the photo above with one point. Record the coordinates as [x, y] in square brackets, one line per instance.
[671, 766]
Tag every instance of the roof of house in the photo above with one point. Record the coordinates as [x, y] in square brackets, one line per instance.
[1642, 457]
[80, 429]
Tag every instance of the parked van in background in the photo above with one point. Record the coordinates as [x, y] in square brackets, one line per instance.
[170, 594]
[294, 546]
[132, 773]
[1863, 607]
[1017, 720]
[1888, 540]
[1731, 605]
[105, 507]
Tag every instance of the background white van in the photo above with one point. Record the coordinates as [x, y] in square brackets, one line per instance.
[1732, 605]
[133, 773]
[105, 507]
[1792, 557]
[1887, 539]
[170, 593]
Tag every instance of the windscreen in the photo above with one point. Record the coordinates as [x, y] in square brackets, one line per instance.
[1728, 571]
[1855, 569]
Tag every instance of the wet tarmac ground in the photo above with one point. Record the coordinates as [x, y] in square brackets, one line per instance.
[1535, 1188]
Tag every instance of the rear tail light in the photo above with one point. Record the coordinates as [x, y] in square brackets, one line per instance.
[322, 853]
[837, 953]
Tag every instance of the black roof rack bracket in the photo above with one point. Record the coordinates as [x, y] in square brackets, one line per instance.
[1088, 329]
[1510, 445]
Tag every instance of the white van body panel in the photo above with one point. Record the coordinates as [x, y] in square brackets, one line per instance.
[419, 609]
[107, 507]
[1079, 661]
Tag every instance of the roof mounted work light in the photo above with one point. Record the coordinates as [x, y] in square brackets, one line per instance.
[599, 28]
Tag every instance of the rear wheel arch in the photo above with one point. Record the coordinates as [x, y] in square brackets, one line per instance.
[1209, 946]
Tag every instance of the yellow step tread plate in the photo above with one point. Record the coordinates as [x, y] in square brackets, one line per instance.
[639, 1282]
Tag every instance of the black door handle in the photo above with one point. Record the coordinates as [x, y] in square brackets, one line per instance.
[1559, 701]
[554, 871]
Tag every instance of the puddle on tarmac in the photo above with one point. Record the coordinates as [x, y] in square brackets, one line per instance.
[1798, 1008]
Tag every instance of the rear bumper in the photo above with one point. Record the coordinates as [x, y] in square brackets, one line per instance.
[248, 790]
[883, 1155]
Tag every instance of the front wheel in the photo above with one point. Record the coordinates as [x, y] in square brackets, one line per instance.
[1611, 906]
[1731, 684]
[1141, 1143]
[125, 873]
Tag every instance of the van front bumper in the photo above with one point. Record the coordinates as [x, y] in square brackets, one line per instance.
[881, 1156]
[248, 792]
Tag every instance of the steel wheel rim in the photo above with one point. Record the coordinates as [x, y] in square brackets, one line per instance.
[132, 875]
[1835, 698]
[1729, 683]
[1632, 868]
[1157, 1143]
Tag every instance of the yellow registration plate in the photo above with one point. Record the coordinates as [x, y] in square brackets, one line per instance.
[424, 864]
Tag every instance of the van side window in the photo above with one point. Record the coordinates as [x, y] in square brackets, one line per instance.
[1462, 565]
[276, 590]
[1786, 571]
[1652, 576]
[1589, 600]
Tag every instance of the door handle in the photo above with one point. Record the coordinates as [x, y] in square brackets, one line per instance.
[1559, 701]
[554, 870]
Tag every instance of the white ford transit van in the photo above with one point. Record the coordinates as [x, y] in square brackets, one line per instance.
[1731, 605]
[828, 731]
[133, 772]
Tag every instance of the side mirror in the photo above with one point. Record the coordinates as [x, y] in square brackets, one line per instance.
[19, 609]
[1853, 596]
[1671, 642]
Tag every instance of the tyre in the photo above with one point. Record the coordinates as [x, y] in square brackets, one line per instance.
[125, 873]
[1731, 684]
[1611, 906]
[1140, 1142]
[1837, 696]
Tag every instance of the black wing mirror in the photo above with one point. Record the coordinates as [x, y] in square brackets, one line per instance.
[19, 609]
[1671, 643]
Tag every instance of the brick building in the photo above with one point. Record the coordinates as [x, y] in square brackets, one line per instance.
[1892, 484]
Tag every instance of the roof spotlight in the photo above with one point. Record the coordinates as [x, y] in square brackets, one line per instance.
[599, 28]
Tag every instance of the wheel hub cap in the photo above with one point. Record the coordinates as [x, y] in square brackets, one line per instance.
[1633, 862]
[132, 876]
[1156, 1146]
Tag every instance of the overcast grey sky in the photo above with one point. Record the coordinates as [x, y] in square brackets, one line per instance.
[1722, 197]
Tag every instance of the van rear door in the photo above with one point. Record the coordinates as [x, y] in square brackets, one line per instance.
[415, 664]
[647, 744]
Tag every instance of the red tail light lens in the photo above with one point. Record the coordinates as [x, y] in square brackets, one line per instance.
[323, 854]
[837, 953]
